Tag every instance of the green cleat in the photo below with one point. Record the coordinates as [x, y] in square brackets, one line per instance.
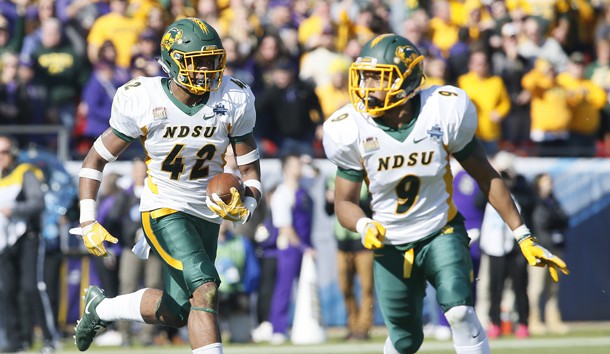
[90, 323]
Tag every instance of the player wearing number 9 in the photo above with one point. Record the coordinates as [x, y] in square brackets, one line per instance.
[185, 123]
[399, 138]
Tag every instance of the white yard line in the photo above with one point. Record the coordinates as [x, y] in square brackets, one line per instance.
[368, 347]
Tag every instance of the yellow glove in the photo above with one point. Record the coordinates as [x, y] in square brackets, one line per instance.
[372, 233]
[236, 210]
[539, 256]
[94, 236]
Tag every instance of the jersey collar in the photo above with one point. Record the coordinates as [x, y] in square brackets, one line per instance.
[189, 110]
[402, 133]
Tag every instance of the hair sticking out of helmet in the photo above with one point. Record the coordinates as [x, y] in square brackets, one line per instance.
[388, 63]
[193, 56]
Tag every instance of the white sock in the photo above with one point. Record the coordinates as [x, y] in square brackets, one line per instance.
[481, 348]
[214, 348]
[388, 347]
[122, 307]
[469, 337]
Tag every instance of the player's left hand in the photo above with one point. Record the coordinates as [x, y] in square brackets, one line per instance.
[234, 211]
[539, 256]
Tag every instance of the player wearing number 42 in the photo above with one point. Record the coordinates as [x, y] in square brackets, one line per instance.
[401, 138]
[185, 123]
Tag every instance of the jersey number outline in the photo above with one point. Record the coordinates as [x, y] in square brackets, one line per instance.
[407, 191]
[238, 83]
[447, 93]
[132, 83]
[174, 162]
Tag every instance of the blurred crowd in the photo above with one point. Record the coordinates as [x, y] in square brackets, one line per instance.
[259, 262]
[538, 71]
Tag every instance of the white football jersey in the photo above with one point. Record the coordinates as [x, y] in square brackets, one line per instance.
[182, 150]
[410, 181]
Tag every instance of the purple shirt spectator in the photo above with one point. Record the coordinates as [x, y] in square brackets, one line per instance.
[97, 95]
[465, 195]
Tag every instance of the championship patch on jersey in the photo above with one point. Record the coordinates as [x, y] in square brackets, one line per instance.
[159, 113]
[371, 144]
[220, 109]
[436, 133]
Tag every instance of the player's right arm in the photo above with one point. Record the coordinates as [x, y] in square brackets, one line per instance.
[347, 198]
[105, 149]
[352, 217]
[341, 147]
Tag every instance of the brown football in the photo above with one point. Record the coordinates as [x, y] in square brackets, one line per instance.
[221, 184]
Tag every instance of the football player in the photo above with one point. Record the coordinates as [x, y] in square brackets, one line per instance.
[399, 138]
[185, 123]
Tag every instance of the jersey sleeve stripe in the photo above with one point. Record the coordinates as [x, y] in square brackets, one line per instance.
[122, 136]
[240, 139]
[350, 175]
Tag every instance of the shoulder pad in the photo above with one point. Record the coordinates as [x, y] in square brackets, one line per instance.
[341, 127]
[235, 90]
[133, 97]
[448, 98]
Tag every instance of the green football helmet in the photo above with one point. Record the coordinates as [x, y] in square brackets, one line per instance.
[396, 65]
[193, 56]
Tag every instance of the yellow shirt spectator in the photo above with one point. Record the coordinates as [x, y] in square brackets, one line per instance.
[546, 9]
[313, 26]
[117, 28]
[139, 9]
[233, 17]
[489, 95]
[550, 112]
[335, 94]
[585, 98]
[443, 32]
[461, 11]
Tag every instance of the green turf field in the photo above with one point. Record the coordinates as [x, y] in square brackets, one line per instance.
[589, 338]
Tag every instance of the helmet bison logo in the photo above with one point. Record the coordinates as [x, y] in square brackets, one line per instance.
[170, 37]
[405, 55]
